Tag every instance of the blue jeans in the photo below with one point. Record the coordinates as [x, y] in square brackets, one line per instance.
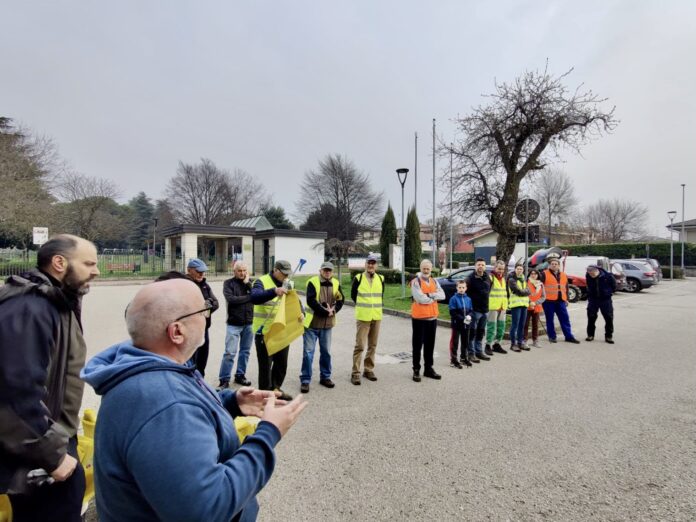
[309, 345]
[478, 330]
[236, 335]
[519, 316]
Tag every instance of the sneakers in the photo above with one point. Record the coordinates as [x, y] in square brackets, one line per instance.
[355, 379]
[416, 376]
[589, 338]
[432, 374]
[223, 384]
[515, 348]
[370, 376]
[327, 383]
[455, 364]
[498, 349]
[524, 347]
[474, 359]
[304, 387]
[554, 341]
[572, 341]
[487, 350]
[609, 340]
[241, 379]
[535, 344]
[483, 357]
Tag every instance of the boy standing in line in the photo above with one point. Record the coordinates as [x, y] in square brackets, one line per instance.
[460, 308]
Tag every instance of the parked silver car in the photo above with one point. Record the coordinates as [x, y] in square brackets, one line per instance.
[655, 264]
[639, 274]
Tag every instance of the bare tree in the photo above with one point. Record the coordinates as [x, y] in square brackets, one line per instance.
[554, 191]
[339, 185]
[614, 220]
[207, 195]
[527, 124]
[88, 210]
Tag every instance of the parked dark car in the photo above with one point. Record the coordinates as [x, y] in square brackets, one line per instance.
[449, 282]
[619, 275]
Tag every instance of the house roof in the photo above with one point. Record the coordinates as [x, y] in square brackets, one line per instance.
[687, 224]
[258, 223]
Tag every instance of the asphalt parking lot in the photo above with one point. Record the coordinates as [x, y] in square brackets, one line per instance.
[564, 432]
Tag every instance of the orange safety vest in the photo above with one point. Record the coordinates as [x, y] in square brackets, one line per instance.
[535, 294]
[425, 311]
[552, 285]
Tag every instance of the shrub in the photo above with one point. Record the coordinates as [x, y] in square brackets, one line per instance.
[678, 274]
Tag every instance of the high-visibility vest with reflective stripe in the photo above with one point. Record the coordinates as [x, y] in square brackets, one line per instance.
[425, 311]
[314, 281]
[497, 299]
[368, 304]
[515, 300]
[535, 295]
[264, 311]
[554, 285]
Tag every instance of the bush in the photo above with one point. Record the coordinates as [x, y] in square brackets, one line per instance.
[392, 276]
[462, 257]
[678, 274]
[659, 251]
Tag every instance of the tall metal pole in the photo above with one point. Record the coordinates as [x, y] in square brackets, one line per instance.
[526, 237]
[154, 244]
[403, 247]
[434, 241]
[682, 230]
[451, 210]
[415, 175]
[671, 245]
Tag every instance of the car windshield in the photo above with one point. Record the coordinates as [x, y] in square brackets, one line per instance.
[463, 274]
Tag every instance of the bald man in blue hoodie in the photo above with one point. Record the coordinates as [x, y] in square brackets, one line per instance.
[165, 444]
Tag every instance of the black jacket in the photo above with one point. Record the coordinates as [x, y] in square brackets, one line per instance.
[240, 309]
[41, 354]
[478, 289]
[600, 287]
[210, 299]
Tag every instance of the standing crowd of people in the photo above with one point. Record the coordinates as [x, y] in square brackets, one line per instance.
[165, 444]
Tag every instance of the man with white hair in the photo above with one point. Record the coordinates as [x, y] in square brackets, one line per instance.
[240, 315]
[165, 444]
[426, 292]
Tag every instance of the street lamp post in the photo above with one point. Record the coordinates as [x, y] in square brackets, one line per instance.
[681, 236]
[402, 173]
[671, 215]
[154, 244]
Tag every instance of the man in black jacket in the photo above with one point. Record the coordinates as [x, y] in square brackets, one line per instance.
[478, 289]
[195, 270]
[41, 354]
[240, 314]
[601, 285]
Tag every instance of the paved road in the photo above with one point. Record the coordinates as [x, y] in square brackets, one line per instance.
[565, 432]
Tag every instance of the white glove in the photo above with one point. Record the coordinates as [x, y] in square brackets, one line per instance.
[467, 319]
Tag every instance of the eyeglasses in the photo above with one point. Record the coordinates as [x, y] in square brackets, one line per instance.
[206, 313]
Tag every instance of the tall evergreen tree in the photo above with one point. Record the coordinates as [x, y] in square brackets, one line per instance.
[142, 220]
[388, 236]
[276, 217]
[412, 247]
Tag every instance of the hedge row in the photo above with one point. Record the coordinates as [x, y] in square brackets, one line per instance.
[393, 276]
[659, 251]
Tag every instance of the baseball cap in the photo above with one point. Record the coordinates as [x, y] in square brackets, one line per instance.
[371, 258]
[327, 265]
[197, 265]
[283, 266]
[592, 267]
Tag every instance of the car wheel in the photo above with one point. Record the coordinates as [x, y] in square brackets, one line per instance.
[573, 294]
[633, 285]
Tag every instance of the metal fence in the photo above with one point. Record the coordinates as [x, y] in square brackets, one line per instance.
[113, 263]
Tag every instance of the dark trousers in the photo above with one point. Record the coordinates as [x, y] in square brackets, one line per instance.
[459, 343]
[272, 368]
[200, 356]
[559, 308]
[532, 317]
[423, 338]
[607, 308]
[59, 502]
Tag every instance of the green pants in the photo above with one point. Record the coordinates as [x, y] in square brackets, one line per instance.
[495, 327]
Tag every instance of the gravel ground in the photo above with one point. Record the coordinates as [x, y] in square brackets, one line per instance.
[564, 432]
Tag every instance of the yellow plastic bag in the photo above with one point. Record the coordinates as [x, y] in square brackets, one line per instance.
[245, 426]
[287, 323]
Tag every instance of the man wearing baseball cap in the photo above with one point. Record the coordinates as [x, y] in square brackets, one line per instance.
[195, 270]
[367, 292]
[324, 301]
[601, 285]
[265, 293]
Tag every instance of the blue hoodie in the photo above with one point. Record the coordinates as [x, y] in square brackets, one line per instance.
[460, 306]
[165, 443]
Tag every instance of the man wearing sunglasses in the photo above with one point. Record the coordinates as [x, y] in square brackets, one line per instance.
[165, 444]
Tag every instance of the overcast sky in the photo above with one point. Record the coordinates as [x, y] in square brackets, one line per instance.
[127, 89]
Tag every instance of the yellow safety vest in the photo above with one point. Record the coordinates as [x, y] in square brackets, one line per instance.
[497, 299]
[314, 281]
[368, 304]
[264, 311]
[518, 300]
